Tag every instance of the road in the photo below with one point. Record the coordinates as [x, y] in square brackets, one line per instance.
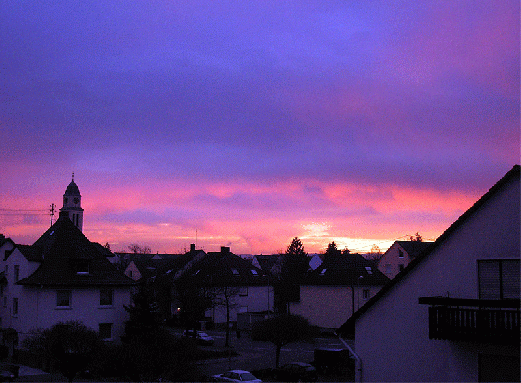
[255, 355]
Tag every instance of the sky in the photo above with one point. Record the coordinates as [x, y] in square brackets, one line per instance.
[248, 123]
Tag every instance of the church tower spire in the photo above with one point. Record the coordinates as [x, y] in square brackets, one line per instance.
[72, 204]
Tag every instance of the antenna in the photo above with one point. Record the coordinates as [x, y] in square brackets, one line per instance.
[196, 238]
[51, 210]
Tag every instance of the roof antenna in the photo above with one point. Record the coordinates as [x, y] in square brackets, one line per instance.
[72, 176]
[52, 212]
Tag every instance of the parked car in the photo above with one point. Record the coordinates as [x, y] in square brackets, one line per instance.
[201, 337]
[296, 372]
[236, 376]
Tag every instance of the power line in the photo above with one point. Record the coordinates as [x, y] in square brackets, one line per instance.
[22, 210]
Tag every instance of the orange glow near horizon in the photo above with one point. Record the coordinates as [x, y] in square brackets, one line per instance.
[169, 217]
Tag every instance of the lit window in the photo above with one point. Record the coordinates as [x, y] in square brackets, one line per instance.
[63, 298]
[106, 297]
[105, 331]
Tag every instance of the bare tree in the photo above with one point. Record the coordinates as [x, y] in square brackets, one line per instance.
[137, 249]
[282, 330]
[225, 297]
[375, 254]
[416, 237]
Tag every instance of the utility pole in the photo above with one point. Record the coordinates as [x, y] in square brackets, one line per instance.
[51, 210]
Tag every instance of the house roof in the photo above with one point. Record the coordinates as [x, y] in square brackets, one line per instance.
[72, 189]
[267, 262]
[224, 269]
[414, 248]
[346, 270]
[59, 248]
[510, 175]
[148, 266]
[31, 253]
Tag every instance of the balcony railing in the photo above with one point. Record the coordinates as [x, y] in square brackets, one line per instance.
[488, 321]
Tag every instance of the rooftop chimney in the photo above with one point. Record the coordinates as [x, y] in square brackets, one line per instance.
[225, 249]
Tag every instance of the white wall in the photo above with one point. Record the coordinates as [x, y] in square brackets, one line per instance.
[392, 337]
[259, 298]
[329, 306]
[37, 306]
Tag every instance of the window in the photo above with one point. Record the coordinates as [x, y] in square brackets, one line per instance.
[254, 272]
[81, 266]
[105, 331]
[63, 298]
[235, 272]
[15, 306]
[243, 291]
[401, 267]
[106, 297]
[400, 254]
[5, 301]
[366, 294]
[369, 270]
[387, 268]
[16, 273]
[323, 271]
[498, 279]
[6, 270]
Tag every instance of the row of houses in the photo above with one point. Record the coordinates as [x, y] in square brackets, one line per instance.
[63, 276]
[441, 311]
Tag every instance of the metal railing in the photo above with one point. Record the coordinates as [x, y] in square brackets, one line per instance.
[474, 320]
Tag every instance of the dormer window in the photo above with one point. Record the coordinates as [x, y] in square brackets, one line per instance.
[235, 272]
[81, 266]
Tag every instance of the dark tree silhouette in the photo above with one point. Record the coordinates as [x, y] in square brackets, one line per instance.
[294, 265]
[416, 237]
[332, 250]
[282, 330]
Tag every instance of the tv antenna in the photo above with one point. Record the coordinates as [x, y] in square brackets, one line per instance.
[51, 210]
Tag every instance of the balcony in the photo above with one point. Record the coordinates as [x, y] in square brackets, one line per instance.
[477, 320]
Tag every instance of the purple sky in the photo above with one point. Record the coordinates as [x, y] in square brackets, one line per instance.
[254, 122]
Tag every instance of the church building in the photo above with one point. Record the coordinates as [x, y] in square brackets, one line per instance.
[62, 277]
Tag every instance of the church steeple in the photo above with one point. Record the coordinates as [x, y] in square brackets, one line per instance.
[72, 204]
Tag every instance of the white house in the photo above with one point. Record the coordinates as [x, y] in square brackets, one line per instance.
[453, 314]
[228, 276]
[62, 277]
[336, 289]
